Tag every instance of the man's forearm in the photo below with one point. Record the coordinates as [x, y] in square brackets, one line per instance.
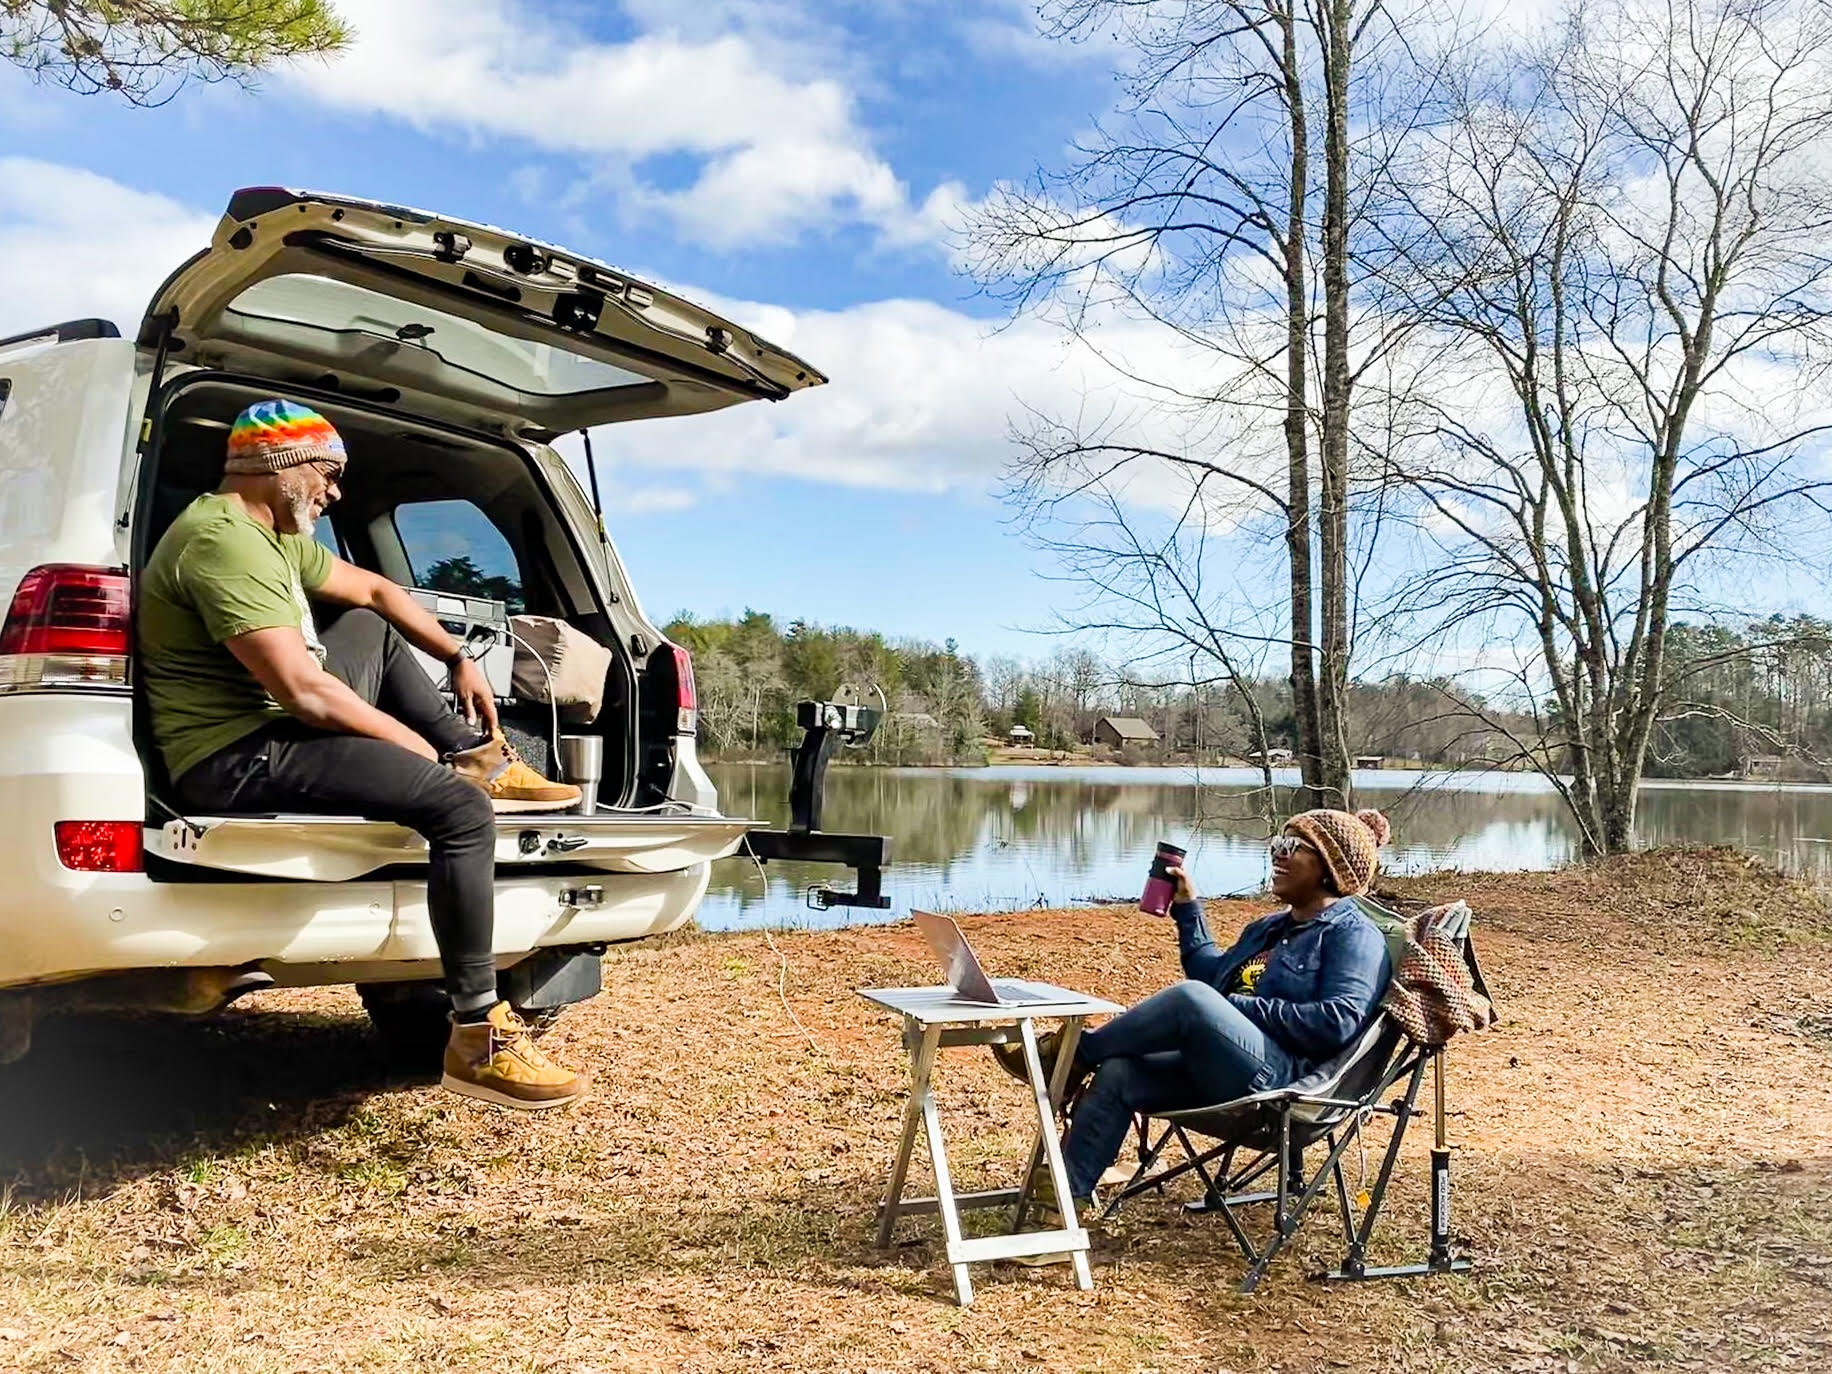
[325, 702]
[414, 621]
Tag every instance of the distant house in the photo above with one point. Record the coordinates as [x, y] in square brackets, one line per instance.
[1762, 766]
[1023, 736]
[1370, 761]
[1117, 732]
[1273, 758]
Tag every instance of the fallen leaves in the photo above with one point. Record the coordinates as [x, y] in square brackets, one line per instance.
[1617, 1165]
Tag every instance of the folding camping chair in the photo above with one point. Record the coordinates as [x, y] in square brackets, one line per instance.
[1267, 1133]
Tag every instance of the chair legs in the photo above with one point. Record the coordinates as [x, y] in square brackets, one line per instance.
[1439, 1258]
[1150, 1152]
[1292, 1211]
[1226, 1186]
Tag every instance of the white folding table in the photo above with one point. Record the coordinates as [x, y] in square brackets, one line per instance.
[938, 1018]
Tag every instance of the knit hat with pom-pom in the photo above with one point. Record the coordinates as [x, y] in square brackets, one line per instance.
[1346, 842]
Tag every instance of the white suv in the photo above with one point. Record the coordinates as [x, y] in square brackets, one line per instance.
[449, 355]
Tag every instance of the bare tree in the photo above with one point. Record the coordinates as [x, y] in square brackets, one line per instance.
[1162, 594]
[1632, 235]
[1084, 682]
[1004, 676]
[1197, 213]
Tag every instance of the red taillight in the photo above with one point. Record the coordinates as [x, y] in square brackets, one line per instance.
[686, 699]
[65, 609]
[101, 846]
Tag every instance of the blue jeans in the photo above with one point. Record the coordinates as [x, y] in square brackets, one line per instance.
[1187, 1046]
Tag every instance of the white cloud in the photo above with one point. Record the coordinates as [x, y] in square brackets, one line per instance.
[777, 150]
[794, 37]
[923, 398]
[1010, 31]
[76, 244]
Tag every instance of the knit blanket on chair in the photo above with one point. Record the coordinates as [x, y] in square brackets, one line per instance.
[1434, 992]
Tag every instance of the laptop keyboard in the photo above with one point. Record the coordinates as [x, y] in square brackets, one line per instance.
[1010, 991]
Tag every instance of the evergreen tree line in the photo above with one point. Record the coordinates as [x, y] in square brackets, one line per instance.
[1762, 693]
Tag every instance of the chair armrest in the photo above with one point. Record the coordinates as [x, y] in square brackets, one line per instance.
[1272, 1097]
[1265, 1099]
[1348, 1103]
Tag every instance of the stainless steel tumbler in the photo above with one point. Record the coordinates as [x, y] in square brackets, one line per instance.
[582, 764]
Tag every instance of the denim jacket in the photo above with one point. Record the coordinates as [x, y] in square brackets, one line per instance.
[1320, 987]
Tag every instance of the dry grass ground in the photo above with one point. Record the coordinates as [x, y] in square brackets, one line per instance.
[1644, 1171]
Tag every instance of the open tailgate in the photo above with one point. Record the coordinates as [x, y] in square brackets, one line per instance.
[334, 849]
[447, 318]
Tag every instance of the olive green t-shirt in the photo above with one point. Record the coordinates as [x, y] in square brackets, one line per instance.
[218, 573]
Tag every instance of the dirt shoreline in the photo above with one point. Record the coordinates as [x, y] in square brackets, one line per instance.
[1643, 1170]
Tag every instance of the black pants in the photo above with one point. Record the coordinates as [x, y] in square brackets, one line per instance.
[289, 766]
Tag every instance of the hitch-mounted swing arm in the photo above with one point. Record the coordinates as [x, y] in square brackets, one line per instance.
[826, 725]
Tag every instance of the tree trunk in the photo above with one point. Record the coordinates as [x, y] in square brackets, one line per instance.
[1298, 534]
[1338, 57]
[1616, 809]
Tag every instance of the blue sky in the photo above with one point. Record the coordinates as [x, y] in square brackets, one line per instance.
[803, 165]
[798, 164]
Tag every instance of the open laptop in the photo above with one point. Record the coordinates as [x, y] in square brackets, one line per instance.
[962, 966]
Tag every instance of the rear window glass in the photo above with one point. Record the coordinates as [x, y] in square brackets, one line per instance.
[323, 304]
[451, 546]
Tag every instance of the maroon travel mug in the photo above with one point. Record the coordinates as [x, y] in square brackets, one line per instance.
[1160, 887]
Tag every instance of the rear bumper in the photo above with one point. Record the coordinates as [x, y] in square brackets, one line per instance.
[71, 757]
[305, 933]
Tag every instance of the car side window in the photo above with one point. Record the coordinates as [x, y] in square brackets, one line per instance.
[452, 546]
[6, 390]
[325, 534]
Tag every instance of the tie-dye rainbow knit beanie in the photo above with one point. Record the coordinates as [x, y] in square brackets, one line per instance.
[272, 435]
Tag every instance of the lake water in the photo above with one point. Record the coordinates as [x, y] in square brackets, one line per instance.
[986, 839]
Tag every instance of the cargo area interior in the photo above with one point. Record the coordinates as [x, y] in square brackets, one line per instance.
[429, 507]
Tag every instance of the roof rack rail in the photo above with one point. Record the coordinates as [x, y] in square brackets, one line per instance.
[67, 332]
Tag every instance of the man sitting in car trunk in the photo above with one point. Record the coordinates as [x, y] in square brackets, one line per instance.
[254, 710]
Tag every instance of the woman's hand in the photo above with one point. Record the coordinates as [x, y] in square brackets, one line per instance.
[1186, 890]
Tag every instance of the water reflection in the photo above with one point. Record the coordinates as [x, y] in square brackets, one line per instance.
[1000, 838]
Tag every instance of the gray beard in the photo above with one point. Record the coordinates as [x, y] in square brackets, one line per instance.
[299, 516]
[295, 511]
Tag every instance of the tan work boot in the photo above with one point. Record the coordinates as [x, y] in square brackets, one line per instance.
[482, 763]
[1046, 1216]
[495, 1061]
[1049, 1045]
[519, 788]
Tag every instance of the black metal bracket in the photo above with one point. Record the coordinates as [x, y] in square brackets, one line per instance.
[866, 854]
[826, 725]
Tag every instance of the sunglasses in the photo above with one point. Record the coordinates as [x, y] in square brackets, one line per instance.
[1284, 846]
[328, 468]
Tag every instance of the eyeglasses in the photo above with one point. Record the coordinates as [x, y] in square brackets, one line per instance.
[328, 468]
[1284, 846]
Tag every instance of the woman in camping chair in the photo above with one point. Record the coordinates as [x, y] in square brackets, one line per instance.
[1296, 988]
